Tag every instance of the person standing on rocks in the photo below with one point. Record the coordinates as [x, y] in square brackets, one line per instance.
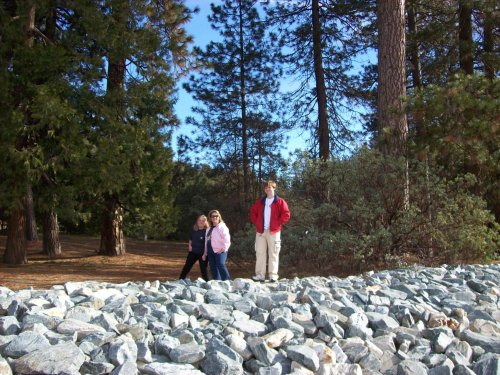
[197, 248]
[268, 215]
[217, 242]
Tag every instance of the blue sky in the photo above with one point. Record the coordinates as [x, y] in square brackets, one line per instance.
[200, 29]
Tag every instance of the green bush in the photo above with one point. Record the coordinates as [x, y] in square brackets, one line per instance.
[354, 211]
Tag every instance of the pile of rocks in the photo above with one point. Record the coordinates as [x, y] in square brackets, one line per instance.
[408, 321]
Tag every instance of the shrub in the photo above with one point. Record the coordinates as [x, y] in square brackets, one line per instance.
[353, 212]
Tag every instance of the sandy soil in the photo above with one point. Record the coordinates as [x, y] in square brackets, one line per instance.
[151, 260]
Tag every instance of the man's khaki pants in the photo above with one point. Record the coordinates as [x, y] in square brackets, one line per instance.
[267, 245]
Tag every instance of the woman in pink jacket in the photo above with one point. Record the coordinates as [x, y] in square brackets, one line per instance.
[217, 242]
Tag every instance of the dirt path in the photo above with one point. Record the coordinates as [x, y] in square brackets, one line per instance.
[151, 260]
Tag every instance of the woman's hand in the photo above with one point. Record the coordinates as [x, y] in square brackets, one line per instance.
[204, 257]
[190, 248]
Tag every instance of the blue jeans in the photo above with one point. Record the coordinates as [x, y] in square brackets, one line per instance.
[218, 264]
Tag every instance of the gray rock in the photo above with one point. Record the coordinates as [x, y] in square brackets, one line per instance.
[5, 368]
[127, 368]
[440, 370]
[304, 355]
[250, 327]
[50, 322]
[355, 352]
[93, 367]
[106, 321]
[9, 325]
[457, 358]
[490, 366]
[123, 349]
[240, 346]
[217, 346]
[187, 353]
[462, 347]
[385, 343]
[306, 323]
[441, 342]
[488, 343]
[289, 325]
[262, 352]
[477, 285]
[82, 329]
[164, 344]
[381, 322]
[83, 314]
[216, 363]
[25, 343]
[179, 321]
[58, 359]
[345, 369]
[408, 367]
[370, 362]
[170, 369]
[216, 313]
[275, 369]
[462, 370]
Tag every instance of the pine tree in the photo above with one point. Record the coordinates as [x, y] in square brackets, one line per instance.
[62, 132]
[392, 76]
[465, 43]
[237, 84]
[17, 32]
[144, 45]
[322, 39]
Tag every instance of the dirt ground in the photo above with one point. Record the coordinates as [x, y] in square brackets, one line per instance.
[150, 260]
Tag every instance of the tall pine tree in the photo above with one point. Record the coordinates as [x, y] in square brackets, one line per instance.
[236, 89]
[322, 39]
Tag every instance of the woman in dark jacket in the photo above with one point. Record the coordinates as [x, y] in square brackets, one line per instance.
[196, 248]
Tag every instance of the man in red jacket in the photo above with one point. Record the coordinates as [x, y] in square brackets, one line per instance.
[268, 215]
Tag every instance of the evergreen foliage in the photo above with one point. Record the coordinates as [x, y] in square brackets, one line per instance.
[237, 118]
[352, 222]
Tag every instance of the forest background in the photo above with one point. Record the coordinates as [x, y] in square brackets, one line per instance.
[397, 102]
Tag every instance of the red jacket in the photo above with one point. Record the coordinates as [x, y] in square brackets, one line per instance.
[280, 214]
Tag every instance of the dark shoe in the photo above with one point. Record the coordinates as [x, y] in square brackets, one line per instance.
[258, 279]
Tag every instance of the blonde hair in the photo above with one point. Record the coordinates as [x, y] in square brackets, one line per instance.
[195, 226]
[215, 212]
[270, 183]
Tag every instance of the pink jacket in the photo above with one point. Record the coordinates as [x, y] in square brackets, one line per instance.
[220, 237]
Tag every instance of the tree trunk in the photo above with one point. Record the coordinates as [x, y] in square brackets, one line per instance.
[244, 125]
[31, 229]
[51, 243]
[391, 76]
[416, 69]
[319, 74]
[465, 46]
[112, 239]
[488, 46]
[15, 248]
[51, 21]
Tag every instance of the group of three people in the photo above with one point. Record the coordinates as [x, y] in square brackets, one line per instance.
[209, 241]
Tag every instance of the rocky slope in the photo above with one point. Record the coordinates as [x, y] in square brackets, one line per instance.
[409, 321]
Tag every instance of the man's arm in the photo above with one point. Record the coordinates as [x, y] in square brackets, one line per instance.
[254, 213]
[285, 213]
